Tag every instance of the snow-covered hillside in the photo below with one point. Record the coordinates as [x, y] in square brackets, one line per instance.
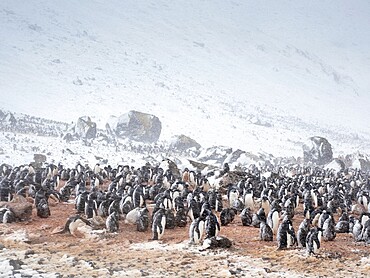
[257, 75]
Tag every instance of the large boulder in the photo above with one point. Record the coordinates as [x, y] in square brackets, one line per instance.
[318, 151]
[85, 128]
[183, 143]
[138, 126]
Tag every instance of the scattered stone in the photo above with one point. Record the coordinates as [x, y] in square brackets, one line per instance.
[16, 264]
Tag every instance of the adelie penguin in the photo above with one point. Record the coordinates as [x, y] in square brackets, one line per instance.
[142, 222]
[159, 224]
[328, 228]
[72, 224]
[266, 233]
[42, 206]
[357, 231]
[342, 225]
[6, 216]
[246, 217]
[286, 237]
[313, 241]
[302, 233]
[258, 217]
[227, 216]
[112, 222]
[196, 230]
[212, 225]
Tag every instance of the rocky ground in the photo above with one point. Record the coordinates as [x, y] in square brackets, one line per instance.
[31, 249]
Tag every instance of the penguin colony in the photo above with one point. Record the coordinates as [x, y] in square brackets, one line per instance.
[268, 202]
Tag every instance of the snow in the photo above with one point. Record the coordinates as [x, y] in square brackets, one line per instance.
[259, 76]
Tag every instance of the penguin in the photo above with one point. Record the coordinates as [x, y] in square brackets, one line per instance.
[80, 202]
[364, 217]
[266, 233]
[232, 194]
[265, 204]
[227, 215]
[196, 230]
[114, 205]
[90, 207]
[159, 224]
[238, 205]
[5, 192]
[258, 217]
[246, 217]
[125, 204]
[248, 198]
[357, 231]
[302, 232]
[273, 220]
[7, 215]
[72, 224]
[178, 203]
[41, 203]
[218, 204]
[328, 233]
[138, 199]
[212, 226]
[180, 218]
[103, 209]
[112, 222]
[324, 215]
[142, 223]
[313, 241]
[342, 225]
[286, 235]
[170, 219]
[194, 210]
[366, 232]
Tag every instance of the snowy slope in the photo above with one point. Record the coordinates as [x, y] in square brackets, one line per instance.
[255, 75]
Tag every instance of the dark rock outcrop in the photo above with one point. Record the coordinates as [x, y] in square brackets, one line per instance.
[318, 151]
[183, 142]
[138, 126]
[215, 154]
[85, 128]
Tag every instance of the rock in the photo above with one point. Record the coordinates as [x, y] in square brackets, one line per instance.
[215, 154]
[39, 158]
[18, 236]
[21, 208]
[337, 164]
[183, 142]
[217, 242]
[234, 156]
[200, 166]
[8, 119]
[168, 164]
[138, 126]
[16, 264]
[85, 128]
[318, 151]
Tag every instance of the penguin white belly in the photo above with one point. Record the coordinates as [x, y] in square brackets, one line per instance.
[163, 223]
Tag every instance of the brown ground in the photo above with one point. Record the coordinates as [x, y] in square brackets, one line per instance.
[132, 254]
